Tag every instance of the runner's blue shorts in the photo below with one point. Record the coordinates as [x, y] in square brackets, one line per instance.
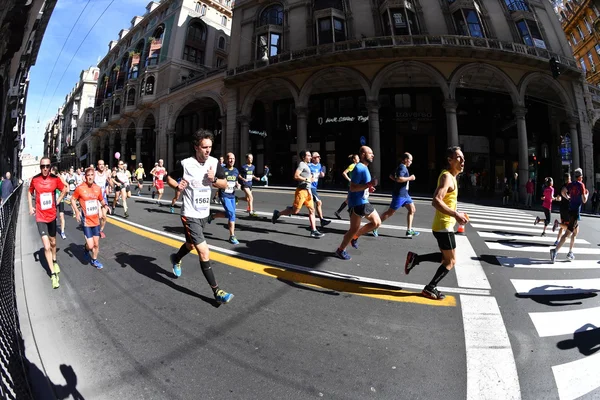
[229, 205]
[91, 231]
[400, 201]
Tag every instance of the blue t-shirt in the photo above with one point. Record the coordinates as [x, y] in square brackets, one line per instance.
[401, 188]
[247, 172]
[315, 169]
[575, 190]
[360, 176]
[231, 175]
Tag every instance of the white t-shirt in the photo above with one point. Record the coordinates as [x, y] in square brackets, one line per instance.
[196, 196]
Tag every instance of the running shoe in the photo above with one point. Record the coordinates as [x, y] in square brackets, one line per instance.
[210, 218]
[432, 293]
[343, 254]
[153, 194]
[62, 235]
[570, 256]
[56, 267]
[176, 266]
[316, 234]
[222, 297]
[126, 214]
[97, 264]
[236, 200]
[411, 258]
[337, 214]
[275, 216]
[252, 214]
[543, 234]
[354, 243]
[102, 235]
[537, 220]
[555, 225]
[375, 233]
[172, 210]
[412, 233]
[556, 243]
[54, 280]
[552, 255]
[233, 240]
[325, 222]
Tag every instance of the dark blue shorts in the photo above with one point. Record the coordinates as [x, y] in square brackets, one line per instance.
[229, 205]
[400, 201]
[91, 231]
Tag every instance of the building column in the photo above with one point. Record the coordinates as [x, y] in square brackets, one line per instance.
[123, 146]
[374, 137]
[223, 120]
[244, 136]
[451, 122]
[102, 147]
[111, 151]
[523, 150]
[170, 148]
[139, 135]
[301, 126]
[574, 142]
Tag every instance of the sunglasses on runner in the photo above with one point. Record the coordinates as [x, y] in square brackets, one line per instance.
[44, 166]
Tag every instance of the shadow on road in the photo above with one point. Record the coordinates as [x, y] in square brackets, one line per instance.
[586, 339]
[158, 210]
[180, 230]
[554, 299]
[40, 257]
[144, 266]
[307, 257]
[76, 251]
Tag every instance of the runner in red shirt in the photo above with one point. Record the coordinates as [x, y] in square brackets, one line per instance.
[89, 196]
[159, 173]
[44, 185]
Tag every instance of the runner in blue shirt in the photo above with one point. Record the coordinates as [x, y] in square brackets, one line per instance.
[228, 197]
[358, 203]
[317, 171]
[247, 175]
[400, 196]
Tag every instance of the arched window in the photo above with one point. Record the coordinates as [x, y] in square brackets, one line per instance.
[117, 107]
[269, 33]
[222, 43]
[195, 43]
[97, 121]
[154, 46]
[149, 85]
[106, 114]
[131, 97]
[468, 22]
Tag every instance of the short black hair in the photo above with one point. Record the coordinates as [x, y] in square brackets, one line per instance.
[200, 135]
[302, 153]
[405, 156]
[450, 151]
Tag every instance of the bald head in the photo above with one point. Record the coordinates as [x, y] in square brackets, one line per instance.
[366, 155]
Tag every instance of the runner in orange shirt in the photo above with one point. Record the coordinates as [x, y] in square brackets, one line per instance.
[89, 196]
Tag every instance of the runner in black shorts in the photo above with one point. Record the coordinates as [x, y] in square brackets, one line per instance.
[564, 209]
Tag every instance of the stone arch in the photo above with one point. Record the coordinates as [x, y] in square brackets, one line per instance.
[509, 85]
[594, 117]
[562, 93]
[389, 70]
[260, 10]
[260, 86]
[142, 118]
[196, 96]
[307, 88]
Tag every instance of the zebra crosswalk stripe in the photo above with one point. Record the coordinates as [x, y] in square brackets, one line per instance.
[523, 238]
[567, 322]
[535, 287]
[502, 218]
[526, 262]
[511, 223]
[577, 378]
[492, 227]
[539, 249]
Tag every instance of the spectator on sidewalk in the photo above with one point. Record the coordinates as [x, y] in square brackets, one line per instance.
[529, 189]
[515, 189]
[505, 192]
[7, 188]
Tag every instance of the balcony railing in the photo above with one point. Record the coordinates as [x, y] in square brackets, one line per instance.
[405, 41]
[595, 92]
[198, 78]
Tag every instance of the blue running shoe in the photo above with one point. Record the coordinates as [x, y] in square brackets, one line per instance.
[222, 297]
[412, 233]
[343, 254]
[97, 264]
[233, 240]
[176, 266]
[375, 233]
[172, 210]
[354, 243]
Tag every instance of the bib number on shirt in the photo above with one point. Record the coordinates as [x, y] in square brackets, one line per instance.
[91, 207]
[201, 199]
[45, 201]
[230, 187]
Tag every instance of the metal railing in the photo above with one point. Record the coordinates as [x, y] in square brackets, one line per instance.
[14, 382]
[406, 41]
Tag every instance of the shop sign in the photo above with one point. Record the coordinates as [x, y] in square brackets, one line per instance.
[259, 133]
[358, 118]
[419, 116]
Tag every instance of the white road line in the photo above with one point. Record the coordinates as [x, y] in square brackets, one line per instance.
[469, 272]
[491, 369]
[493, 210]
[490, 227]
[550, 238]
[556, 323]
[540, 249]
[577, 378]
[503, 218]
[496, 214]
[517, 262]
[311, 271]
[534, 287]
[511, 223]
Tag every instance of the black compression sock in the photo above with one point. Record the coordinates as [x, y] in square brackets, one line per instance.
[209, 275]
[344, 204]
[183, 251]
[439, 275]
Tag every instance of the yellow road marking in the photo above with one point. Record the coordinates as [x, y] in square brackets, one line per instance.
[315, 281]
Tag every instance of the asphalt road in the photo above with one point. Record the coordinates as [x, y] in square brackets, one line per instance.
[304, 324]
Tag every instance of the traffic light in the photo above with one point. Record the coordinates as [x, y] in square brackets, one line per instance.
[555, 68]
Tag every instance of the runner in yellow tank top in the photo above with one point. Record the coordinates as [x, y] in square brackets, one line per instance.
[446, 216]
